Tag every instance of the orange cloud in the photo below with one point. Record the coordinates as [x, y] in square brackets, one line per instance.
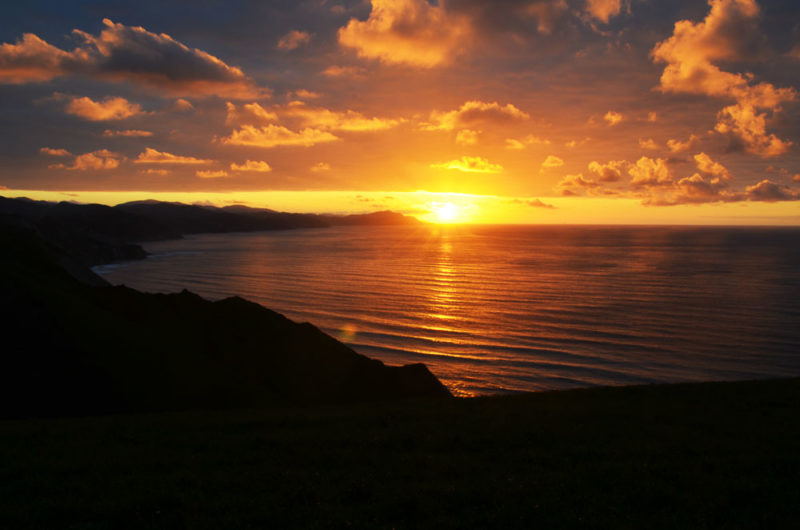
[304, 94]
[348, 120]
[252, 165]
[182, 105]
[111, 108]
[209, 174]
[151, 156]
[650, 172]
[609, 172]
[727, 33]
[676, 146]
[320, 166]
[470, 164]
[127, 53]
[603, 10]
[473, 112]
[467, 137]
[514, 144]
[768, 191]
[294, 39]
[711, 168]
[412, 32]
[133, 133]
[613, 118]
[344, 71]
[551, 162]
[96, 160]
[54, 152]
[277, 136]
[647, 143]
[248, 113]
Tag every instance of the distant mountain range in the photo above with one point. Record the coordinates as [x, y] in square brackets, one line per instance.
[96, 234]
[72, 344]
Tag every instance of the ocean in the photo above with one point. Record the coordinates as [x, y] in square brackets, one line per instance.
[497, 309]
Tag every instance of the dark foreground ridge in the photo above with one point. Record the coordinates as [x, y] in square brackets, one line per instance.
[691, 456]
[71, 344]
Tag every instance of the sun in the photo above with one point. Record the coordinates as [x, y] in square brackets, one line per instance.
[446, 212]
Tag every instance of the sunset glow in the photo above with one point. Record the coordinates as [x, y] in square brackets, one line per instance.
[684, 113]
[446, 213]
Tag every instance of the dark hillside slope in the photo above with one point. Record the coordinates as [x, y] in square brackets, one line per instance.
[71, 348]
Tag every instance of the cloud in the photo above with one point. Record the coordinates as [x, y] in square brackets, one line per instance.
[248, 113]
[570, 183]
[710, 168]
[182, 105]
[650, 172]
[412, 32]
[111, 108]
[151, 156]
[746, 129]
[294, 39]
[277, 136]
[467, 137]
[472, 112]
[648, 143]
[470, 164]
[344, 71]
[613, 118]
[728, 33]
[768, 191]
[54, 152]
[349, 120]
[159, 172]
[537, 203]
[609, 172]
[652, 117]
[304, 94]
[514, 144]
[132, 133]
[551, 162]
[96, 160]
[796, 178]
[603, 10]
[320, 166]
[211, 174]
[676, 146]
[257, 166]
[127, 54]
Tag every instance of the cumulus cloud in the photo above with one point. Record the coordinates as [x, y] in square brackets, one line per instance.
[152, 156]
[304, 94]
[729, 32]
[676, 146]
[248, 113]
[650, 172]
[467, 137]
[344, 71]
[603, 10]
[612, 118]
[258, 166]
[537, 203]
[609, 172]
[349, 120]
[575, 184]
[320, 167]
[552, 161]
[182, 105]
[111, 108]
[412, 32]
[768, 191]
[647, 143]
[96, 160]
[277, 136]
[294, 39]
[470, 164]
[211, 174]
[54, 152]
[474, 112]
[127, 53]
[131, 133]
[514, 144]
[710, 168]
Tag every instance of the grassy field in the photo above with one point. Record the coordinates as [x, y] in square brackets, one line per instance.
[714, 455]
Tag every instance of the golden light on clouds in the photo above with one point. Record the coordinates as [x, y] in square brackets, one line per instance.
[470, 164]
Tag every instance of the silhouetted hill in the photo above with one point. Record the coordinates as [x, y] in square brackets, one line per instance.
[95, 234]
[73, 348]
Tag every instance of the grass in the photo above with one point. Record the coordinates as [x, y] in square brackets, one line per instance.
[713, 455]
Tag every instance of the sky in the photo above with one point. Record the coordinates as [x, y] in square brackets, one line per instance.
[519, 111]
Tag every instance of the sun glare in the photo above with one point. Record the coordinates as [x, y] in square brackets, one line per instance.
[446, 212]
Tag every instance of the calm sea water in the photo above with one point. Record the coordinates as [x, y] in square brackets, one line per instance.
[503, 309]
